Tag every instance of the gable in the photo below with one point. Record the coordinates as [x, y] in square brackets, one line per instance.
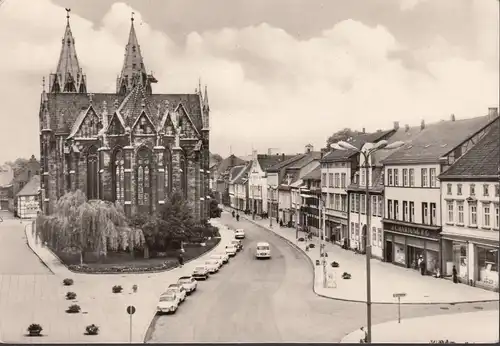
[187, 128]
[167, 126]
[115, 126]
[87, 125]
[143, 125]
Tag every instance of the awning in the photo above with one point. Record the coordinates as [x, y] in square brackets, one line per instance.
[307, 196]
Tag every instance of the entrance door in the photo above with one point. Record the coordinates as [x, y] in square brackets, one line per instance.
[413, 254]
[388, 251]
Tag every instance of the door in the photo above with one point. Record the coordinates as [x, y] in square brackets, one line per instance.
[388, 251]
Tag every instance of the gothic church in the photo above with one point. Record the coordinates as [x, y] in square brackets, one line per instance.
[131, 147]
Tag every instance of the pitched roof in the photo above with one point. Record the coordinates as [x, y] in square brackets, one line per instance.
[435, 140]
[235, 171]
[242, 176]
[357, 141]
[31, 188]
[315, 174]
[229, 162]
[401, 134]
[482, 160]
[274, 163]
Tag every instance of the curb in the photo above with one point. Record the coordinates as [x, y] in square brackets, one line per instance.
[37, 255]
[149, 329]
[364, 301]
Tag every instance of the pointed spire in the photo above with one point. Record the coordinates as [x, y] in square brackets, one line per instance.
[133, 70]
[68, 76]
[199, 86]
[205, 99]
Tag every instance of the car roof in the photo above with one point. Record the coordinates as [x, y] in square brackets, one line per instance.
[262, 243]
[168, 293]
[185, 277]
[174, 285]
[239, 229]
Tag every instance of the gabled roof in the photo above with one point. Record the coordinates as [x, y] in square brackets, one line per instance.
[242, 175]
[357, 141]
[228, 162]
[234, 172]
[273, 163]
[315, 174]
[435, 140]
[79, 120]
[401, 134]
[31, 188]
[482, 160]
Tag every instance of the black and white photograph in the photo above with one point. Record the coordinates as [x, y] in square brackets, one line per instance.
[249, 171]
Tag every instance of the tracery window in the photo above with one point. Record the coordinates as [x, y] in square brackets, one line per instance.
[167, 165]
[143, 179]
[68, 170]
[90, 127]
[92, 171]
[143, 127]
[119, 176]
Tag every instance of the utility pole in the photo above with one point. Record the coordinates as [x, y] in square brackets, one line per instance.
[324, 243]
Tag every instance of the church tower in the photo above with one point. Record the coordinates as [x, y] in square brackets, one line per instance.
[133, 70]
[68, 76]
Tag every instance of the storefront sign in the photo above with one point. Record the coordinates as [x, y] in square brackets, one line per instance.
[419, 232]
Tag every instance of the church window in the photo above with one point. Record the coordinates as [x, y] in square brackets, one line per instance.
[92, 173]
[143, 172]
[143, 128]
[119, 176]
[168, 172]
[184, 185]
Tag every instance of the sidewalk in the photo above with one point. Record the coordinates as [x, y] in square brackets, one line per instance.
[386, 278]
[41, 299]
[471, 327]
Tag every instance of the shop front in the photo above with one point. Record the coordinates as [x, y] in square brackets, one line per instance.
[336, 228]
[405, 243]
[475, 255]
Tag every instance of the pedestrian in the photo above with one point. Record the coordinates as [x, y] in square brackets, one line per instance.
[421, 264]
[233, 213]
[180, 258]
[237, 217]
[454, 274]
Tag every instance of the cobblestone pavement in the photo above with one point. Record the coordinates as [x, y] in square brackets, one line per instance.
[253, 300]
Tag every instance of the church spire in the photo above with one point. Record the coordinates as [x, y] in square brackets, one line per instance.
[68, 76]
[133, 70]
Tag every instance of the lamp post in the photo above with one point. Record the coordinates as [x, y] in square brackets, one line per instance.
[369, 149]
[322, 236]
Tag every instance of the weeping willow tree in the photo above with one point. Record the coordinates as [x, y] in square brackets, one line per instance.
[81, 225]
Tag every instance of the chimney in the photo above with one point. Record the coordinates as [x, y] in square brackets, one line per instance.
[422, 124]
[364, 130]
[396, 125]
[492, 113]
[283, 156]
[407, 128]
[452, 117]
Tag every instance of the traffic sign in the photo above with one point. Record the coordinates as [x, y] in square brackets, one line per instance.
[399, 295]
[130, 309]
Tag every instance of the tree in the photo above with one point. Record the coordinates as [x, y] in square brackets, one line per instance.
[341, 135]
[215, 211]
[82, 225]
[176, 218]
[217, 158]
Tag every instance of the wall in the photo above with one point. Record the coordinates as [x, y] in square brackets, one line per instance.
[27, 207]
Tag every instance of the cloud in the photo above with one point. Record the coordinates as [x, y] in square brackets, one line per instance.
[266, 88]
[408, 5]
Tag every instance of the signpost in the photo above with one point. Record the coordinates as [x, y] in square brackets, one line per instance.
[130, 311]
[399, 295]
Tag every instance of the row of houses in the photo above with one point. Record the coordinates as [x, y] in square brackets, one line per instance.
[436, 196]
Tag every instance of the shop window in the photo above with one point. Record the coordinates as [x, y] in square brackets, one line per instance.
[431, 261]
[460, 207]
[412, 212]
[411, 175]
[379, 231]
[450, 208]
[459, 260]
[486, 216]
[399, 254]
[487, 265]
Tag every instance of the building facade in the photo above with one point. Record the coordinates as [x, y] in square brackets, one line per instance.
[257, 187]
[28, 204]
[239, 187]
[470, 193]
[6, 188]
[412, 220]
[311, 196]
[131, 147]
[22, 175]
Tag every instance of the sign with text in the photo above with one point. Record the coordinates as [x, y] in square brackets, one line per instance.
[419, 232]
[399, 295]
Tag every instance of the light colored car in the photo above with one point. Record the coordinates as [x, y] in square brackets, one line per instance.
[239, 234]
[212, 266]
[168, 303]
[179, 291]
[263, 250]
[220, 257]
[231, 250]
[189, 283]
[200, 273]
[238, 244]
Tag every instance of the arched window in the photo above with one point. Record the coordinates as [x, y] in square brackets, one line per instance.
[167, 165]
[92, 181]
[143, 178]
[183, 175]
[68, 170]
[119, 176]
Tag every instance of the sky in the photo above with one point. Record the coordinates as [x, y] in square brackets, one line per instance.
[280, 73]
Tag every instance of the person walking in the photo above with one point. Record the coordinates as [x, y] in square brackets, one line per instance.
[180, 258]
[237, 217]
[233, 213]
[454, 275]
[421, 265]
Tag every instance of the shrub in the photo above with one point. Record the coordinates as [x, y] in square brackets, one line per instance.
[117, 289]
[300, 239]
[68, 282]
[312, 246]
[335, 264]
[70, 295]
[92, 329]
[74, 309]
[116, 269]
[346, 276]
[34, 329]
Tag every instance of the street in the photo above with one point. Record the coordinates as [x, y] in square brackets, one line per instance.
[272, 301]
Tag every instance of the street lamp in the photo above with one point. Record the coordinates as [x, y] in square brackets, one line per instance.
[322, 234]
[370, 148]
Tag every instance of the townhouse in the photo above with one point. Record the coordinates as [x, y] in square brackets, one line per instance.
[6, 188]
[412, 219]
[309, 214]
[222, 178]
[28, 201]
[357, 193]
[274, 174]
[238, 187]
[337, 172]
[470, 195]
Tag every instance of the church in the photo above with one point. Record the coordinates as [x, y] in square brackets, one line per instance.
[131, 147]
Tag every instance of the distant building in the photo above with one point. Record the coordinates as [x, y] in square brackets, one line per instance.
[22, 175]
[28, 203]
[6, 188]
[221, 177]
[238, 187]
[311, 193]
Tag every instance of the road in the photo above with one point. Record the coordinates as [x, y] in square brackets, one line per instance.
[253, 300]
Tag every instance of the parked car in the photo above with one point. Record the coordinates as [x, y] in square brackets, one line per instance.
[238, 244]
[189, 283]
[179, 291]
[168, 303]
[222, 257]
[239, 234]
[231, 250]
[212, 266]
[263, 250]
[200, 273]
